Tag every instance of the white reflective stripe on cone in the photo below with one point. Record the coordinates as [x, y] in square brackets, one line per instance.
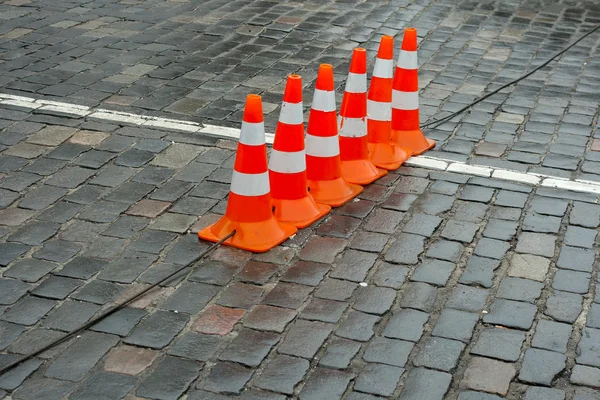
[379, 111]
[318, 146]
[324, 100]
[250, 184]
[383, 68]
[287, 162]
[291, 113]
[252, 133]
[352, 127]
[356, 83]
[405, 100]
[408, 60]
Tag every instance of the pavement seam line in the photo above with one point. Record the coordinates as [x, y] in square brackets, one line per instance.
[529, 178]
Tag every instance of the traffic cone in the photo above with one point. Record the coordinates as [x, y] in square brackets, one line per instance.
[382, 151]
[249, 210]
[356, 166]
[287, 165]
[405, 98]
[323, 168]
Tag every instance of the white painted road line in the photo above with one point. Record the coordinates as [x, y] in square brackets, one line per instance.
[522, 177]
[426, 162]
[468, 169]
[577, 185]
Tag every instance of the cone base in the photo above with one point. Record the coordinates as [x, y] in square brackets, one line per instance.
[334, 192]
[388, 156]
[257, 237]
[299, 212]
[413, 140]
[361, 172]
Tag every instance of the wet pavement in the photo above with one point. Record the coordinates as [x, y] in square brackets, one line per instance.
[433, 285]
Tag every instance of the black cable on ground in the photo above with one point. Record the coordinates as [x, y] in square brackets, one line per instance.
[113, 309]
[440, 121]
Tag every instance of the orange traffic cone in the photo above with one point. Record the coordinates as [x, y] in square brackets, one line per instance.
[405, 98]
[249, 210]
[287, 166]
[323, 167]
[382, 151]
[356, 166]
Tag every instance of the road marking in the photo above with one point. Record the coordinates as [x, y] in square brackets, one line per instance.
[469, 169]
[573, 185]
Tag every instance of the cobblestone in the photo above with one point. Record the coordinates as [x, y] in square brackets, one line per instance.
[16, 377]
[121, 322]
[488, 375]
[339, 353]
[455, 324]
[537, 244]
[499, 343]
[479, 270]
[388, 351]
[541, 366]
[441, 354]
[470, 395]
[423, 383]
[420, 296]
[467, 298]
[216, 320]
[326, 383]
[435, 272]
[422, 224]
[405, 250]
[86, 352]
[520, 289]
[582, 375]
[250, 347]
[576, 259]
[156, 385]
[551, 336]
[158, 330]
[28, 310]
[354, 266]
[335, 289]
[511, 314]
[563, 306]
[323, 250]
[282, 374]
[378, 379]
[570, 281]
[104, 384]
[588, 355]
[70, 315]
[93, 211]
[528, 266]
[227, 377]
[539, 393]
[287, 295]
[374, 300]
[49, 388]
[305, 338]
[269, 318]
[358, 326]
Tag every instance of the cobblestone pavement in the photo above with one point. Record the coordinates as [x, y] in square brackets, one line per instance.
[476, 289]
[199, 61]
